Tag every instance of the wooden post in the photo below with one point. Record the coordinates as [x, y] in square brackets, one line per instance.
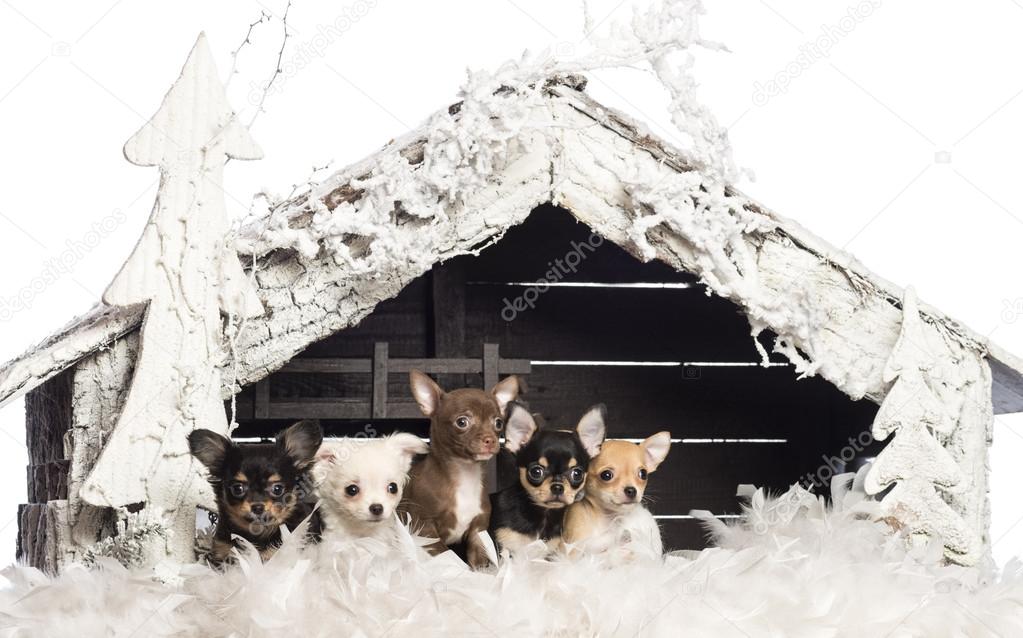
[262, 400]
[378, 407]
[448, 289]
[491, 361]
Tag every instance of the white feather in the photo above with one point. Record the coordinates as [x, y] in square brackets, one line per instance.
[790, 567]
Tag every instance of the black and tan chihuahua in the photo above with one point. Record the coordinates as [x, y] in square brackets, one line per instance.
[551, 468]
[258, 487]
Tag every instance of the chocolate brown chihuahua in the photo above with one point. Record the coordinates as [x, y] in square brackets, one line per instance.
[447, 495]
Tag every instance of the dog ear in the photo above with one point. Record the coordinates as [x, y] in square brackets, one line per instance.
[426, 393]
[591, 429]
[655, 448]
[519, 428]
[210, 448]
[506, 391]
[408, 445]
[325, 455]
[301, 441]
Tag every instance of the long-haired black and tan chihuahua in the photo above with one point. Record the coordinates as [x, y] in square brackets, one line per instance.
[259, 487]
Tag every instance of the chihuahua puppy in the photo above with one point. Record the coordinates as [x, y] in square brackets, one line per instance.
[552, 473]
[258, 488]
[447, 493]
[360, 482]
[611, 513]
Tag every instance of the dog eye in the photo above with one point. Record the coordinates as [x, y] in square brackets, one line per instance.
[642, 475]
[537, 472]
[238, 489]
[352, 490]
[392, 488]
[499, 424]
[607, 475]
[576, 475]
[462, 422]
[277, 490]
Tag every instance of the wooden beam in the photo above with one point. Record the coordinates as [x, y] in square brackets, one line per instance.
[403, 365]
[378, 405]
[329, 366]
[340, 409]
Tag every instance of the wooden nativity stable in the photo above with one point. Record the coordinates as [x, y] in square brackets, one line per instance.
[530, 230]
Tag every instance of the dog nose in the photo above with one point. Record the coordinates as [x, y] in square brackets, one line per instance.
[257, 508]
[376, 509]
[490, 441]
[557, 489]
[630, 492]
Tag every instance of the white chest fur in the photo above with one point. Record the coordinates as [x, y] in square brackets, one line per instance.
[468, 484]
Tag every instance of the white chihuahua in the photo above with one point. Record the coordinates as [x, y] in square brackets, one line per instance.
[359, 482]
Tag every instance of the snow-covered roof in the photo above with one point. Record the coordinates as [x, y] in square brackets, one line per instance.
[453, 186]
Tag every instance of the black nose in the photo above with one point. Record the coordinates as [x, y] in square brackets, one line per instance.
[376, 509]
[630, 492]
[557, 489]
[258, 508]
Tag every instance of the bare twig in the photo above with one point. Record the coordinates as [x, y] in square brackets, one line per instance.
[277, 69]
[263, 17]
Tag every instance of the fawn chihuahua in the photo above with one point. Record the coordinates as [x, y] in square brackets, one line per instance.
[612, 512]
[447, 495]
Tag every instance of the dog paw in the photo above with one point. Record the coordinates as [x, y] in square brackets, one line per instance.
[477, 557]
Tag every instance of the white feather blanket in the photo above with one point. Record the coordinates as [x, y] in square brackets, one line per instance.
[790, 568]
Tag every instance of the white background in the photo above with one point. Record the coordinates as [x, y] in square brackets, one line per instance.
[901, 144]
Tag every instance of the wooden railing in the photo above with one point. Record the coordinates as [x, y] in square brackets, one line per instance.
[378, 405]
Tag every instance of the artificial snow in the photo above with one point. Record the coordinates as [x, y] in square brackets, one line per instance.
[792, 566]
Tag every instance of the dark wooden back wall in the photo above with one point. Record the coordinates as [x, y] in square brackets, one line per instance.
[662, 355]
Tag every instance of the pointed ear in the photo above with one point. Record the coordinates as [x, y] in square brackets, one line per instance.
[655, 448]
[301, 441]
[591, 429]
[210, 449]
[408, 445]
[506, 391]
[519, 428]
[326, 454]
[426, 393]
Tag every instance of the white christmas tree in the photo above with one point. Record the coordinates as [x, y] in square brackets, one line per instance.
[914, 461]
[187, 272]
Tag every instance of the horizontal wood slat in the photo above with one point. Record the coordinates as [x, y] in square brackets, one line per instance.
[403, 365]
[621, 323]
[297, 409]
[678, 534]
[705, 477]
